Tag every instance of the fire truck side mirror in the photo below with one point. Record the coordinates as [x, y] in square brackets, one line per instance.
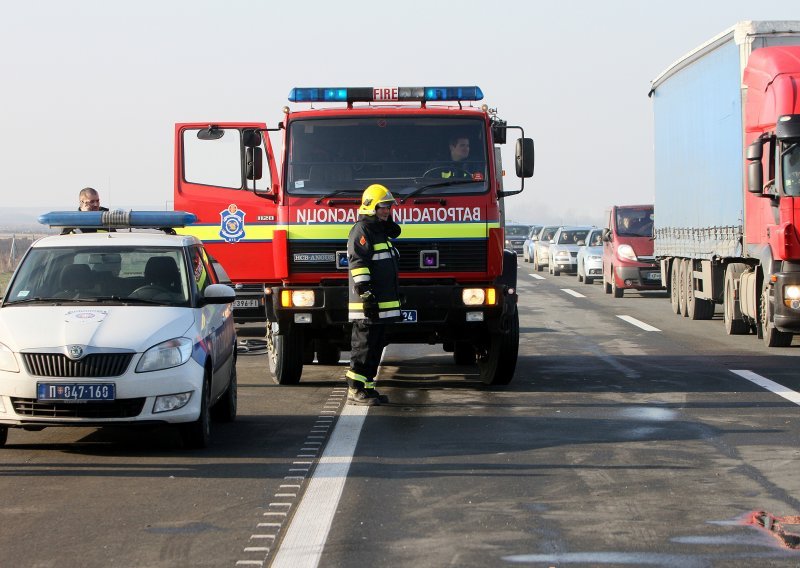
[524, 157]
[254, 163]
[251, 138]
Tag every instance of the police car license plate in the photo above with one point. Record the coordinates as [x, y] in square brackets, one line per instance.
[409, 316]
[245, 304]
[75, 392]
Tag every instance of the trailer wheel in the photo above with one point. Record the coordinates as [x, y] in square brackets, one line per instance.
[285, 356]
[674, 286]
[732, 316]
[683, 266]
[497, 364]
[772, 336]
[696, 308]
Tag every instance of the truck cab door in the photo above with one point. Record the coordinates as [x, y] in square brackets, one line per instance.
[225, 173]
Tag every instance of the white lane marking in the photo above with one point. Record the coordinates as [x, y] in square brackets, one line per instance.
[306, 534]
[308, 531]
[639, 324]
[537, 276]
[771, 386]
[572, 292]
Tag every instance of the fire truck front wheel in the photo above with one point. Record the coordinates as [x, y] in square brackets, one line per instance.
[285, 355]
[496, 363]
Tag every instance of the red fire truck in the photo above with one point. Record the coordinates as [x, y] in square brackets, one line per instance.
[284, 223]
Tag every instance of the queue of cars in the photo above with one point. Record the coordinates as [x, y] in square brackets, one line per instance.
[621, 254]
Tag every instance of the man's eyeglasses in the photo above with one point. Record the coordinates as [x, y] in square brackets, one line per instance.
[89, 202]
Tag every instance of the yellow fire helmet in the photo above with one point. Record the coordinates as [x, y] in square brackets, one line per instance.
[373, 196]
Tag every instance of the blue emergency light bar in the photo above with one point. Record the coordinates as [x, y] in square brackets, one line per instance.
[118, 219]
[383, 94]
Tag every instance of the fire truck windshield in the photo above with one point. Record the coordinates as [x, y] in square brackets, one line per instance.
[438, 155]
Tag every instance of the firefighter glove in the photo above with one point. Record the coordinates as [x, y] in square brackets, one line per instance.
[370, 303]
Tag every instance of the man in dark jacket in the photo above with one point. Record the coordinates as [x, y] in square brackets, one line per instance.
[88, 200]
[374, 298]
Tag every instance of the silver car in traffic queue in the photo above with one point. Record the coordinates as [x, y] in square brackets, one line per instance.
[590, 257]
[563, 250]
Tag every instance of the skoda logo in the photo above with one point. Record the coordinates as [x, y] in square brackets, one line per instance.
[74, 351]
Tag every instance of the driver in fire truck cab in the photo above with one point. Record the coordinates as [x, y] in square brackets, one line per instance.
[458, 167]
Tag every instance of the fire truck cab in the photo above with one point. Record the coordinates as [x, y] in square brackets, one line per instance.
[285, 223]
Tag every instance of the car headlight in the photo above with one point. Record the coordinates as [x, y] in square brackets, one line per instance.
[626, 252]
[166, 355]
[7, 360]
[562, 255]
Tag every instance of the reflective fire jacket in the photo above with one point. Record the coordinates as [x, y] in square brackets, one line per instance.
[372, 259]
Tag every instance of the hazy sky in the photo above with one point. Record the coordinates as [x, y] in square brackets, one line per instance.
[90, 90]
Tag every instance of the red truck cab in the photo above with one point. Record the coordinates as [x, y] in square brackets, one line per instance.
[628, 262]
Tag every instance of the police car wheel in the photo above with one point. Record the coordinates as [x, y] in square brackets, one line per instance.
[225, 408]
[197, 434]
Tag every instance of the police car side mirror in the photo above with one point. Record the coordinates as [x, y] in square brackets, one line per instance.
[218, 294]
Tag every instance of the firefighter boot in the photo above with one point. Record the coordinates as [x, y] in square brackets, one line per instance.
[362, 396]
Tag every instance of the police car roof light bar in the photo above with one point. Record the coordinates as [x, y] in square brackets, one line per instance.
[384, 94]
[118, 219]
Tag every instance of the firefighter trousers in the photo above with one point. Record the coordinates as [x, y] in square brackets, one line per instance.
[366, 345]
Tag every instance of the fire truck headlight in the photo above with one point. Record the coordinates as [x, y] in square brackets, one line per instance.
[303, 298]
[479, 296]
[473, 296]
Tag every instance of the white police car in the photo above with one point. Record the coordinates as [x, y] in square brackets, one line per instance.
[117, 327]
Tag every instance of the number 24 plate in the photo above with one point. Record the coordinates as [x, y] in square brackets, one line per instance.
[75, 392]
[409, 316]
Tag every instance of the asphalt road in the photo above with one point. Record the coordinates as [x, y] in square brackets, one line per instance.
[613, 446]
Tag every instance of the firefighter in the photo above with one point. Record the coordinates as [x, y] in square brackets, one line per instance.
[374, 298]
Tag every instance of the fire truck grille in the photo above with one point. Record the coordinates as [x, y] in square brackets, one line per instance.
[454, 256]
[95, 365]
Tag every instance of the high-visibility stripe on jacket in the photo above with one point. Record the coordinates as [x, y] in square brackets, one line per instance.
[372, 258]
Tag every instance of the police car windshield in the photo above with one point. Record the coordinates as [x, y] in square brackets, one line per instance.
[438, 155]
[142, 275]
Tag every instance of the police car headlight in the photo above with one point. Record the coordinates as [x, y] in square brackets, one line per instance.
[7, 360]
[165, 355]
